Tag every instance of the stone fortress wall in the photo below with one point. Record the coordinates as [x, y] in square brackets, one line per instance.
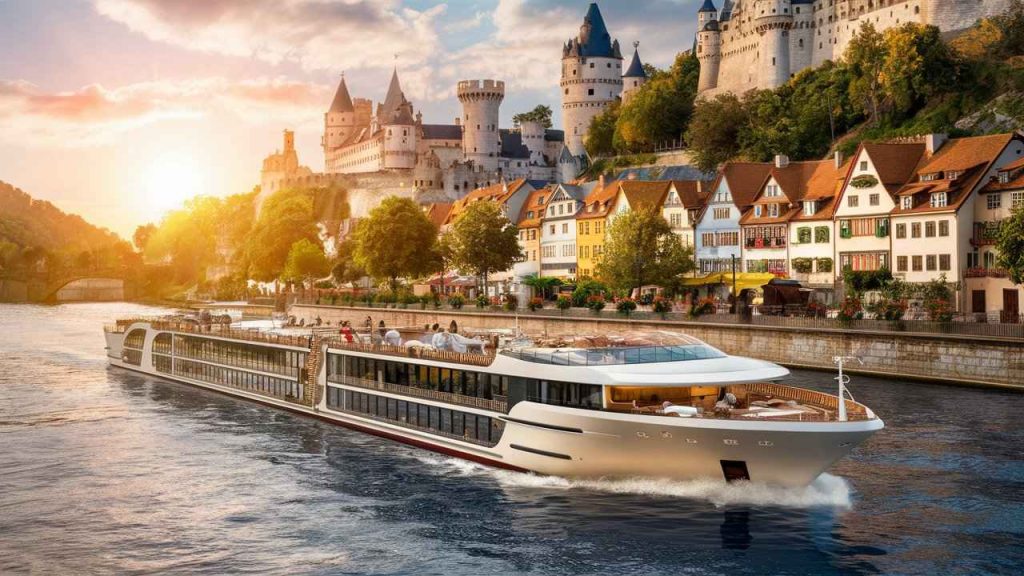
[759, 44]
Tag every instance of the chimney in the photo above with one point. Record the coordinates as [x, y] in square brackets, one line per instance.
[839, 159]
[458, 121]
[932, 142]
[600, 181]
[781, 160]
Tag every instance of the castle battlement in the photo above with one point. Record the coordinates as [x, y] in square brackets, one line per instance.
[480, 88]
[761, 44]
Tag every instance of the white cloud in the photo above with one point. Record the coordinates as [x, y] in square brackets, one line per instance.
[317, 34]
[94, 115]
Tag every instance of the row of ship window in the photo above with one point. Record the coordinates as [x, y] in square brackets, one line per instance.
[241, 355]
[466, 426]
[240, 379]
[464, 382]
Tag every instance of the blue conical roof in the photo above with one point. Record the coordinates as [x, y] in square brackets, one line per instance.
[596, 42]
[636, 67]
[708, 6]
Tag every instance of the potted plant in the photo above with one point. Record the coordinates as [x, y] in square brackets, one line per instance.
[702, 307]
[661, 305]
[509, 302]
[482, 301]
[851, 309]
[596, 303]
[626, 306]
[456, 301]
[563, 303]
[535, 304]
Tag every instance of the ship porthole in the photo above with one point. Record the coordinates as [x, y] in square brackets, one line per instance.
[766, 443]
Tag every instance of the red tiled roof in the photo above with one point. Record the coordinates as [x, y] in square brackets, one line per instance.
[692, 193]
[745, 180]
[534, 206]
[437, 212]
[499, 193]
[600, 202]
[644, 193]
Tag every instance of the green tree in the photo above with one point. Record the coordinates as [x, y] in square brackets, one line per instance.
[714, 131]
[306, 262]
[642, 250]
[142, 235]
[286, 218]
[1010, 246]
[396, 240]
[484, 241]
[346, 269]
[865, 55]
[659, 111]
[542, 284]
[541, 114]
[600, 138]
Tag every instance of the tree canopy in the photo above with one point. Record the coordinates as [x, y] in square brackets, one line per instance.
[641, 250]
[541, 114]
[1010, 245]
[395, 241]
[286, 218]
[483, 240]
[306, 262]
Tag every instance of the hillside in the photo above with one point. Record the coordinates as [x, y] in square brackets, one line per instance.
[35, 236]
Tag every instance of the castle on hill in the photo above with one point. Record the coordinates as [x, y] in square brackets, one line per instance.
[761, 44]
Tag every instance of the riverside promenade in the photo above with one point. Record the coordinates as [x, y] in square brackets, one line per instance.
[987, 357]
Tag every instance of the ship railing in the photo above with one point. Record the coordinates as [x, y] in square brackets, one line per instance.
[225, 331]
[493, 405]
[420, 352]
[813, 398]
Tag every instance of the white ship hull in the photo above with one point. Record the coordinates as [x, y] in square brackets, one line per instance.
[582, 443]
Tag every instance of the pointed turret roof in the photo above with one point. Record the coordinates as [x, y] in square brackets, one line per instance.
[342, 101]
[708, 6]
[594, 40]
[636, 67]
[395, 97]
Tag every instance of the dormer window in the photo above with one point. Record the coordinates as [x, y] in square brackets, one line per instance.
[540, 200]
[810, 208]
[908, 202]
[771, 191]
[1004, 177]
[939, 200]
[757, 211]
[930, 177]
[773, 210]
[953, 175]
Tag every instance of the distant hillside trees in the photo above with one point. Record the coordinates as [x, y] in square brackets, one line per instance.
[657, 113]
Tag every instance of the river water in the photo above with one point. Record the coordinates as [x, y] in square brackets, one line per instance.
[104, 471]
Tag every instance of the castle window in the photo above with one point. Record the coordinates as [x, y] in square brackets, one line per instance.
[590, 92]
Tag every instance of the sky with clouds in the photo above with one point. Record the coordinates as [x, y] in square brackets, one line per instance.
[118, 109]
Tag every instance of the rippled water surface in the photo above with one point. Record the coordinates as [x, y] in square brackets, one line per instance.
[103, 471]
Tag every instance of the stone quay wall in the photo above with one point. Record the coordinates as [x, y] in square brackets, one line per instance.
[952, 359]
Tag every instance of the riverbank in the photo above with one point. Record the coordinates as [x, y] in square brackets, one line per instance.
[946, 358]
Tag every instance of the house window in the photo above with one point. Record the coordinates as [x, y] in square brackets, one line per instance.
[707, 239]
[757, 211]
[773, 210]
[676, 220]
[929, 229]
[771, 191]
[873, 199]
[721, 213]
[994, 201]
[864, 166]
[853, 201]
[931, 262]
[565, 228]
[944, 228]
[915, 230]
[939, 200]
[901, 230]
[810, 208]
[551, 229]
[944, 262]
[907, 202]
[918, 263]
[901, 263]
[1004, 177]
[1016, 200]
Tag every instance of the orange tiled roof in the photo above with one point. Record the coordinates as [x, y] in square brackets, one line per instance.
[499, 193]
[692, 193]
[644, 193]
[437, 212]
[535, 207]
[600, 202]
[972, 157]
[745, 180]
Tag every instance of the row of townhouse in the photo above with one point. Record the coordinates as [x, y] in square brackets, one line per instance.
[921, 209]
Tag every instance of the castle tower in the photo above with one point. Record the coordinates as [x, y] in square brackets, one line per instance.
[395, 117]
[481, 141]
[532, 133]
[635, 76]
[339, 120]
[591, 78]
[773, 21]
[709, 46]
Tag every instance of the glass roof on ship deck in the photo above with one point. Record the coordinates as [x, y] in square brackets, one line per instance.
[632, 348]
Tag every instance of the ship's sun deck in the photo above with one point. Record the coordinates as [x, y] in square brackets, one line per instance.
[752, 401]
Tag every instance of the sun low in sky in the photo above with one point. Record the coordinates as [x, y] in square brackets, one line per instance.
[119, 110]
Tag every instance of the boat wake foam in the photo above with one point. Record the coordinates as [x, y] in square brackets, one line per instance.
[827, 490]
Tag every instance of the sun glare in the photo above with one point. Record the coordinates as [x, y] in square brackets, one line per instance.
[172, 179]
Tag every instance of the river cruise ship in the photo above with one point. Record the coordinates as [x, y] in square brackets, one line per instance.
[660, 405]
